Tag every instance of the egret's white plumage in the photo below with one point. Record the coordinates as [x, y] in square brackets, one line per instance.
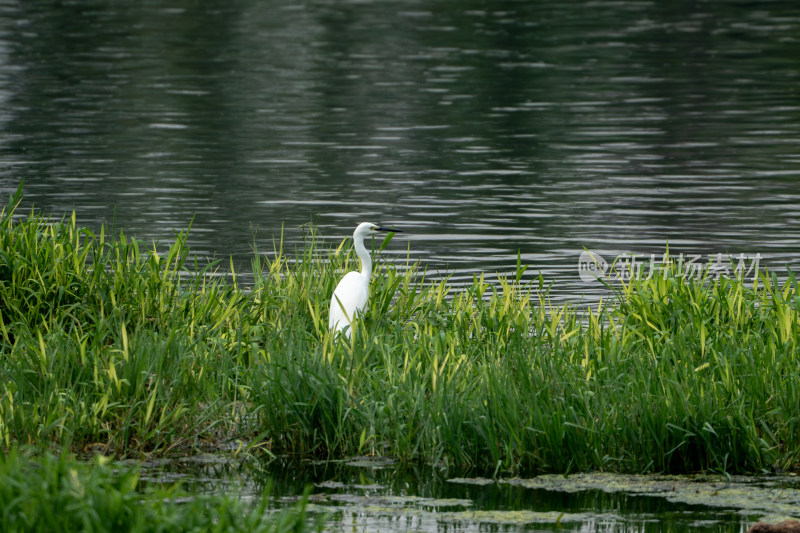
[349, 299]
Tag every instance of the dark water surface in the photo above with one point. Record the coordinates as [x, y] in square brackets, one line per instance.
[359, 496]
[482, 128]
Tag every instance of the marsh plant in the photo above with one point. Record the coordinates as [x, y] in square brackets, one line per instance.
[108, 344]
[53, 494]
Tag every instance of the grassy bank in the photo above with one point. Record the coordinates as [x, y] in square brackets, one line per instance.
[53, 494]
[107, 344]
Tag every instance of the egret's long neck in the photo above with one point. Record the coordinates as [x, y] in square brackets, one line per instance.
[363, 254]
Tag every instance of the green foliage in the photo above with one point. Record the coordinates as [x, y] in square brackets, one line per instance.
[672, 374]
[103, 344]
[55, 494]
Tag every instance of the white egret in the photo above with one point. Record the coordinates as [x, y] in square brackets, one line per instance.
[350, 296]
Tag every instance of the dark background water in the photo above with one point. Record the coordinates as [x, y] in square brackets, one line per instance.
[389, 499]
[482, 128]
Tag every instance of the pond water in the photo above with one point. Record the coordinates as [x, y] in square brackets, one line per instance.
[483, 129]
[367, 494]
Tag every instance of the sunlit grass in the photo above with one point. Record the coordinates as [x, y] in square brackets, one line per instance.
[106, 344]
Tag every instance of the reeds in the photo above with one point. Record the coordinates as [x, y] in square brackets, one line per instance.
[105, 344]
[53, 494]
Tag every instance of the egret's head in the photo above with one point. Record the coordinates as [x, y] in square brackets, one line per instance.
[368, 228]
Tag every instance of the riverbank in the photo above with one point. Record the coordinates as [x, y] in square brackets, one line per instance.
[55, 494]
[112, 346]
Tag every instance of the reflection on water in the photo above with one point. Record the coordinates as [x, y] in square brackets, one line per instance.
[361, 497]
[482, 129]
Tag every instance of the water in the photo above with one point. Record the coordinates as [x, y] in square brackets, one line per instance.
[483, 129]
[365, 495]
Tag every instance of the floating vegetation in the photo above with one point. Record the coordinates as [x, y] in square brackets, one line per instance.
[385, 501]
[520, 518]
[370, 462]
[440, 510]
[775, 498]
[330, 484]
[498, 517]
[479, 481]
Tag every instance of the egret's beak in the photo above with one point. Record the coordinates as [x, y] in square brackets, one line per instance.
[388, 230]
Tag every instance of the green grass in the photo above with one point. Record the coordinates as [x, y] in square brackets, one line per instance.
[106, 344]
[53, 494]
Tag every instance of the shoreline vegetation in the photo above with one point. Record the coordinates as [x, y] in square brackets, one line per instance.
[110, 346]
[107, 346]
[55, 494]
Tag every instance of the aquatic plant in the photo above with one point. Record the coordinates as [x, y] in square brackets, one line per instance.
[103, 343]
[107, 344]
[671, 374]
[57, 494]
